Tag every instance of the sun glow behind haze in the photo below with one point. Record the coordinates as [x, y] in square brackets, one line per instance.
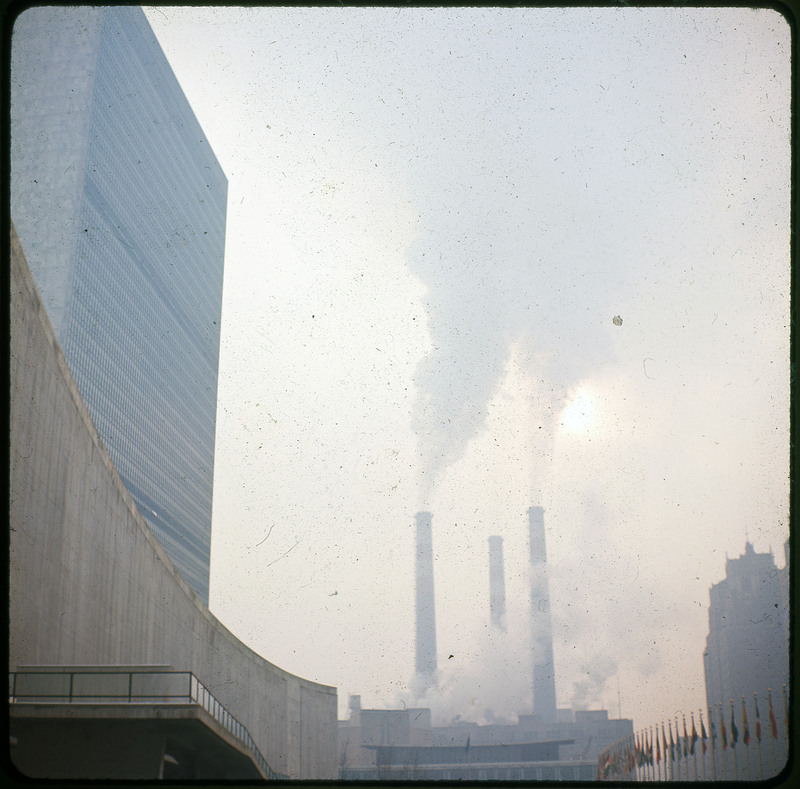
[580, 414]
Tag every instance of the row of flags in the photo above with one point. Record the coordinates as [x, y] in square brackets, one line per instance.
[646, 749]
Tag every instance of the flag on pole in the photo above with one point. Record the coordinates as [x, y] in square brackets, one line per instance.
[671, 743]
[694, 736]
[745, 727]
[685, 739]
[642, 750]
[734, 730]
[658, 748]
[677, 741]
[703, 735]
[712, 729]
[650, 754]
[758, 718]
[663, 741]
[723, 729]
[773, 724]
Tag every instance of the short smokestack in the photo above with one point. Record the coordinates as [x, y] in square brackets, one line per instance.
[544, 680]
[497, 584]
[355, 710]
[426, 620]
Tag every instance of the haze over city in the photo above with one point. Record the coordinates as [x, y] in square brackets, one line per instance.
[479, 260]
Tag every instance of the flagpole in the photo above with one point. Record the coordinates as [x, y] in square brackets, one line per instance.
[733, 743]
[758, 736]
[685, 749]
[786, 722]
[713, 735]
[746, 740]
[671, 771]
[653, 762]
[702, 729]
[772, 730]
[651, 757]
[705, 741]
[723, 737]
[676, 767]
[658, 751]
[642, 760]
[786, 713]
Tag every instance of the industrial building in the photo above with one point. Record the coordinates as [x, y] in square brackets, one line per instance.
[402, 744]
[120, 205]
[548, 744]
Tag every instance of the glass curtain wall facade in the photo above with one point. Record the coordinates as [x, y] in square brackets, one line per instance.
[120, 206]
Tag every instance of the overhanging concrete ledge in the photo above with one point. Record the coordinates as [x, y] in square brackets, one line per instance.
[126, 740]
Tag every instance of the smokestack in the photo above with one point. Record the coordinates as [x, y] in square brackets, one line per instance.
[426, 620]
[497, 584]
[544, 680]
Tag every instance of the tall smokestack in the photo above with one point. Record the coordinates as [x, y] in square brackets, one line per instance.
[497, 584]
[426, 619]
[544, 680]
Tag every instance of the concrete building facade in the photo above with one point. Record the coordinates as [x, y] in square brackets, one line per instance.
[90, 584]
[120, 205]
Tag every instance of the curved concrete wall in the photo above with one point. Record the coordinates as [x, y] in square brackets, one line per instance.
[89, 582]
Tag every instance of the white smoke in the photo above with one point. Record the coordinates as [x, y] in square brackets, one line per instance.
[591, 689]
[488, 681]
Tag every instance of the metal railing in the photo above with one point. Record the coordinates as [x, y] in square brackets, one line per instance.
[726, 743]
[130, 687]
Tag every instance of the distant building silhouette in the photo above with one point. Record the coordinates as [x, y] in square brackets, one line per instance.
[120, 205]
[747, 644]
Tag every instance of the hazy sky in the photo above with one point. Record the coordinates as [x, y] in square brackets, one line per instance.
[434, 217]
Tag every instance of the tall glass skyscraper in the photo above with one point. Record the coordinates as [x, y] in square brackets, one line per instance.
[120, 206]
